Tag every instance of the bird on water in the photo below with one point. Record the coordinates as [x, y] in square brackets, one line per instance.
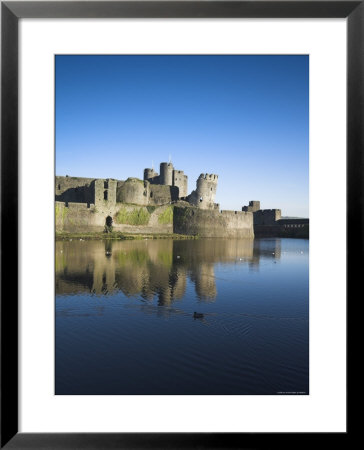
[197, 315]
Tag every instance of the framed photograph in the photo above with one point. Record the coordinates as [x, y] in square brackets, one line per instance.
[180, 193]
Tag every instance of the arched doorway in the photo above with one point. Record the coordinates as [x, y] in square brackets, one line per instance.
[108, 221]
[108, 224]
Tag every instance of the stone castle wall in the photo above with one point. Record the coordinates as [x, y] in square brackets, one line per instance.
[254, 205]
[105, 193]
[293, 228]
[76, 217]
[136, 219]
[266, 216]
[269, 223]
[75, 189]
[161, 195]
[143, 219]
[212, 223]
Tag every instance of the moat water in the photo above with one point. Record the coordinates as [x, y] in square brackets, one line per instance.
[208, 316]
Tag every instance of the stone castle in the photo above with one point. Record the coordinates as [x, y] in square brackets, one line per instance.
[159, 203]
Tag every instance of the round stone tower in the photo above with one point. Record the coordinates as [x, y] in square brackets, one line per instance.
[133, 191]
[166, 174]
[149, 174]
[206, 190]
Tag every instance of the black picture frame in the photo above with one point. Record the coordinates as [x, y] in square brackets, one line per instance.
[11, 12]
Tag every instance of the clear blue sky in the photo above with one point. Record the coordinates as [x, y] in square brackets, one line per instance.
[245, 118]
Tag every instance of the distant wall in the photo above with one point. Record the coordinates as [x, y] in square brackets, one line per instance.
[294, 228]
[293, 222]
[266, 216]
[212, 223]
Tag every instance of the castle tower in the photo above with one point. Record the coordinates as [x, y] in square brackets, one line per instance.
[204, 195]
[180, 180]
[206, 190]
[105, 193]
[150, 174]
[166, 174]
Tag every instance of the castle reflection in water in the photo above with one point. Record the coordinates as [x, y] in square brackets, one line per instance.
[153, 268]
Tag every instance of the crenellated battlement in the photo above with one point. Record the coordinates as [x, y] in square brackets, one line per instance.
[230, 213]
[209, 177]
[203, 196]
